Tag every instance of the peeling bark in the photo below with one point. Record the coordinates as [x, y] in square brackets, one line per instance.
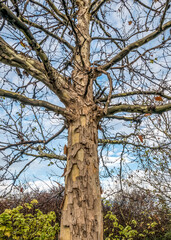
[82, 217]
[82, 211]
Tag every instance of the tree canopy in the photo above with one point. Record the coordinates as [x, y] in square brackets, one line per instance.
[72, 65]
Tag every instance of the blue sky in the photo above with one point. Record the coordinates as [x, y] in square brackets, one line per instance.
[40, 169]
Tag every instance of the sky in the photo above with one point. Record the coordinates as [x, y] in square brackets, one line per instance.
[39, 171]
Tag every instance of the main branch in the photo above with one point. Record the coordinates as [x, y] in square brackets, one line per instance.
[32, 66]
[111, 141]
[125, 51]
[61, 40]
[36, 69]
[139, 92]
[139, 108]
[57, 81]
[33, 102]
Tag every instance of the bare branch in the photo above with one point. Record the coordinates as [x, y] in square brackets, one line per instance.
[126, 94]
[56, 10]
[69, 19]
[20, 143]
[139, 108]
[15, 21]
[56, 134]
[23, 142]
[164, 14]
[144, 5]
[32, 66]
[33, 102]
[110, 91]
[108, 39]
[47, 155]
[50, 12]
[36, 69]
[110, 141]
[96, 5]
[61, 40]
[125, 51]
[134, 119]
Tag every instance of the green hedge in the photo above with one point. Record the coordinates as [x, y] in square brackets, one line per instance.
[14, 225]
[27, 222]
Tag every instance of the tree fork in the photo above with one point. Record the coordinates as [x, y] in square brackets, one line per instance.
[82, 216]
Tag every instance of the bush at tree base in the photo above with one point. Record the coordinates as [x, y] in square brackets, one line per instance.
[135, 216]
[14, 225]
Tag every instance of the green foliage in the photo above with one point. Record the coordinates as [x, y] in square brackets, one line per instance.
[167, 236]
[14, 225]
[127, 232]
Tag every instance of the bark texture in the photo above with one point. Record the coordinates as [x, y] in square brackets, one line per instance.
[82, 217]
[77, 23]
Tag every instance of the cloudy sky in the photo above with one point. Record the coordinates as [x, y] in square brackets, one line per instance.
[41, 172]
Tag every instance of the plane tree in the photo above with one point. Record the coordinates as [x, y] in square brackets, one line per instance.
[101, 70]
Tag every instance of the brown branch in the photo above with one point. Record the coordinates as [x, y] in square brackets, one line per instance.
[134, 119]
[20, 143]
[47, 155]
[108, 39]
[144, 5]
[70, 20]
[32, 142]
[110, 91]
[61, 40]
[32, 66]
[164, 14]
[102, 28]
[33, 102]
[126, 94]
[110, 141]
[125, 51]
[140, 56]
[55, 135]
[56, 10]
[139, 108]
[50, 11]
[95, 6]
[36, 69]
[16, 22]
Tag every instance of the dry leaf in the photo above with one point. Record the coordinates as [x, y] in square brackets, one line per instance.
[129, 22]
[100, 128]
[65, 150]
[22, 44]
[158, 98]
[140, 138]
[147, 114]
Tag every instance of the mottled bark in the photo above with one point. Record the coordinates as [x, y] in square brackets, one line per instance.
[82, 217]
[81, 211]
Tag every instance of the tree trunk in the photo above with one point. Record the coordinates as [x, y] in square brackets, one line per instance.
[82, 217]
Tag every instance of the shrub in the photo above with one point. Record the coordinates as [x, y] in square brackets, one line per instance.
[47, 200]
[127, 232]
[139, 211]
[15, 225]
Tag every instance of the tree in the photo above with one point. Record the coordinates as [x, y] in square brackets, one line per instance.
[106, 61]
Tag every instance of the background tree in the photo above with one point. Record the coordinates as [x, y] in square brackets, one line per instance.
[86, 65]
